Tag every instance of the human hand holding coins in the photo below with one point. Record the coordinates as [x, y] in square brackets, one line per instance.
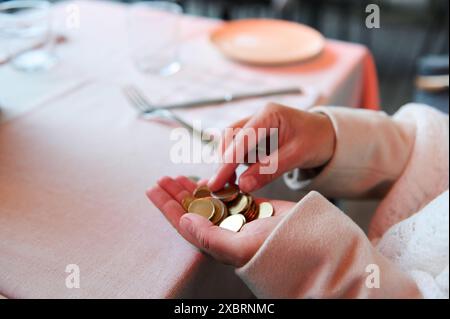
[228, 207]
[305, 140]
[227, 224]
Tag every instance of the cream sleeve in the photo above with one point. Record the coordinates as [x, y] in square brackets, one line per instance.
[371, 152]
[318, 252]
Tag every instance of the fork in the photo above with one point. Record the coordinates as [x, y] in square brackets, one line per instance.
[138, 100]
[227, 98]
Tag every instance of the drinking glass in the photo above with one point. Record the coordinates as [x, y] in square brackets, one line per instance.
[153, 29]
[25, 33]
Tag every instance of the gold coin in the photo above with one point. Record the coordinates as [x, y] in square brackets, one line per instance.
[250, 202]
[227, 194]
[265, 210]
[202, 192]
[238, 205]
[186, 202]
[233, 222]
[251, 213]
[220, 210]
[203, 207]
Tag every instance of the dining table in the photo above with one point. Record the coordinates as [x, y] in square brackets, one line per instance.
[76, 159]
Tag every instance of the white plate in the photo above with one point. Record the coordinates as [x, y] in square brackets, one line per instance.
[267, 42]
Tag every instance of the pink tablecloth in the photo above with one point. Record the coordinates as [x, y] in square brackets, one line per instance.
[75, 165]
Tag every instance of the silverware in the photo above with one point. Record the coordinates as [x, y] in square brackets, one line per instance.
[138, 100]
[225, 99]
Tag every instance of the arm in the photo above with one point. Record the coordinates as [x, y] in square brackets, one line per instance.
[311, 249]
[359, 153]
[370, 154]
[327, 253]
[318, 252]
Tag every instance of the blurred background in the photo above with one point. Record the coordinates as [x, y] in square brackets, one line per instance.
[412, 33]
[412, 40]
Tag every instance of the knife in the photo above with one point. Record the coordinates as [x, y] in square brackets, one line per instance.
[228, 98]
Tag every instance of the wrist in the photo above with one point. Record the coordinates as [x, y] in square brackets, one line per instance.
[327, 140]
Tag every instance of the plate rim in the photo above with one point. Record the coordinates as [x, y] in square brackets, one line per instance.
[225, 25]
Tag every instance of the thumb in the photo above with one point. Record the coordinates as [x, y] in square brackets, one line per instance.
[218, 242]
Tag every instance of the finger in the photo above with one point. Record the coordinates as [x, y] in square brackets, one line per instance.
[225, 141]
[223, 175]
[232, 179]
[232, 156]
[173, 188]
[202, 182]
[216, 241]
[261, 173]
[262, 120]
[240, 123]
[171, 209]
[229, 133]
[187, 183]
[280, 207]
[265, 225]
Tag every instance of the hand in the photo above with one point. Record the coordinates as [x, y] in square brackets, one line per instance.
[305, 140]
[226, 246]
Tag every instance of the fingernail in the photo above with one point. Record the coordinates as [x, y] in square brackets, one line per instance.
[248, 183]
[186, 224]
[212, 180]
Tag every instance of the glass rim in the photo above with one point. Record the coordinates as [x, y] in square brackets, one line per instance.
[162, 5]
[24, 4]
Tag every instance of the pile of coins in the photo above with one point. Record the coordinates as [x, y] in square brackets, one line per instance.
[229, 207]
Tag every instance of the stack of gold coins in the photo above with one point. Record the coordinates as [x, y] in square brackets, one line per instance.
[229, 207]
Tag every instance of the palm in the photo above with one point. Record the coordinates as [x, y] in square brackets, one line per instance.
[229, 247]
